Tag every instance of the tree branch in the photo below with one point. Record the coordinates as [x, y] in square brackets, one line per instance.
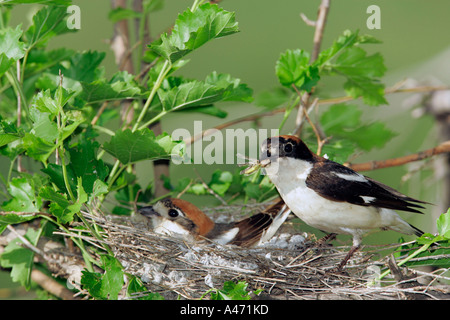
[373, 165]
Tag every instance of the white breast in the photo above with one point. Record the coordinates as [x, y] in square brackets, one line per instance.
[326, 215]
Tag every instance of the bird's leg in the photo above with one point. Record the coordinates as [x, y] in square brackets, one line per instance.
[347, 257]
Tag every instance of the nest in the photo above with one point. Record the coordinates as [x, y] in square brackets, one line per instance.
[289, 266]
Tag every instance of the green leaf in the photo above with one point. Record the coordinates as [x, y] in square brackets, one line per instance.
[221, 181]
[63, 209]
[347, 40]
[11, 49]
[47, 23]
[194, 29]
[362, 72]
[232, 291]
[354, 63]
[8, 132]
[342, 121]
[260, 190]
[106, 285]
[24, 197]
[234, 89]
[85, 66]
[135, 286]
[293, 68]
[129, 147]
[12, 218]
[20, 259]
[10, 44]
[217, 87]
[84, 163]
[120, 86]
[37, 148]
[443, 224]
[44, 102]
[54, 171]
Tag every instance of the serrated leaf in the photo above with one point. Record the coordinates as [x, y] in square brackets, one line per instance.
[47, 23]
[362, 72]
[347, 40]
[120, 86]
[342, 121]
[194, 29]
[37, 148]
[20, 259]
[10, 44]
[443, 224]
[11, 48]
[217, 87]
[293, 68]
[12, 218]
[8, 132]
[372, 92]
[354, 63]
[234, 89]
[55, 173]
[85, 66]
[23, 193]
[129, 147]
[63, 209]
[40, 60]
[107, 285]
[232, 291]
[84, 163]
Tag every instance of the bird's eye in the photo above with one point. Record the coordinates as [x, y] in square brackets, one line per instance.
[288, 148]
[173, 213]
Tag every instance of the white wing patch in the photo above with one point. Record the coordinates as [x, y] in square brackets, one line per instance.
[368, 199]
[226, 236]
[351, 177]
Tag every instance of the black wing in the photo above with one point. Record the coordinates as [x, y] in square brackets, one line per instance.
[339, 183]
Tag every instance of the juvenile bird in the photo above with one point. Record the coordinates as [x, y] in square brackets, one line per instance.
[182, 219]
[331, 197]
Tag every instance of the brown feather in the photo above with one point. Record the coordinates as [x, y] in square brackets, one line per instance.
[201, 220]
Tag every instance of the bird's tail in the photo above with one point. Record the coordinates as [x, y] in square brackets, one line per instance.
[416, 231]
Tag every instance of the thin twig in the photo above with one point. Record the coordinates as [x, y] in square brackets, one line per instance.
[318, 36]
[373, 165]
[19, 116]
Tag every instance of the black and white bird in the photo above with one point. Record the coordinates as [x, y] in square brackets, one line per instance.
[331, 197]
[182, 219]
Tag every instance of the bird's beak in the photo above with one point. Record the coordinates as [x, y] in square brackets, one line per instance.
[148, 212]
[269, 152]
